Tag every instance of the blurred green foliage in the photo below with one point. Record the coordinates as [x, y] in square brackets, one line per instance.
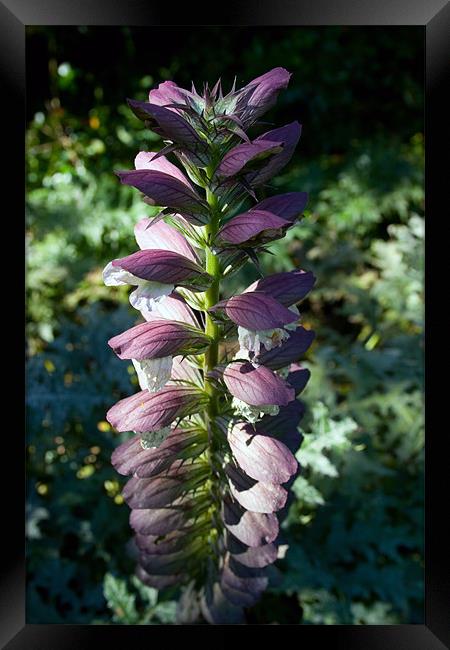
[355, 529]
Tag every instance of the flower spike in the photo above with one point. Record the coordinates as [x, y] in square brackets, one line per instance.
[210, 455]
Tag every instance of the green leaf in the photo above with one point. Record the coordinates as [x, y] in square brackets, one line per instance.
[119, 600]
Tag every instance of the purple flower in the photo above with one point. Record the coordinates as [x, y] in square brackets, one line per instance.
[164, 266]
[217, 609]
[154, 299]
[158, 339]
[166, 190]
[172, 563]
[130, 458]
[287, 420]
[261, 456]
[153, 161]
[288, 287]
[288, 136]
[161, 490]
[254, 226]
[148, 412]
[242, 585]
[152, 345]
[259, 387]
[156, 273]
[256, 496]
[256, 311]
[288, 206]
[169, 94]
[261, 94]
[298, 377]
[261, 320]
[159, 521]
[170, 543]
[237, 160]
[151, 234]
[168, 123]
[158, 581]
[288, 352]
[250, 528]
[253, 557]
[265, 221]
[154, 545]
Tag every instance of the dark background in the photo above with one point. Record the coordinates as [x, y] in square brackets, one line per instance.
[355, 531]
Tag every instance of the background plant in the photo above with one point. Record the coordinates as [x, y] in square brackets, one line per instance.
[359, 91]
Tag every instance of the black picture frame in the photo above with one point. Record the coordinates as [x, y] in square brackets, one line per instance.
[434, 16]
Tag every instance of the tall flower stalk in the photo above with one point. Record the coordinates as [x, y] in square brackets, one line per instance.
[216, 420]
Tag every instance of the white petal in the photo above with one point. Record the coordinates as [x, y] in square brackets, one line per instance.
[113, 276]
[184, 370]
[171, 308]
[274, 338]
[243, 353]
[248, 339]
[253, 413]
[282, 550]
[153, 374]
[253, 340]
[148, 294]
[152, 439]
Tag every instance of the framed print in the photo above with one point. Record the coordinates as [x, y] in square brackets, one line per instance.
[226, 365]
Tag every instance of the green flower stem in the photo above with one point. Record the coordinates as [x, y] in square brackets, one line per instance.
[210, 361]
[211, 297]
